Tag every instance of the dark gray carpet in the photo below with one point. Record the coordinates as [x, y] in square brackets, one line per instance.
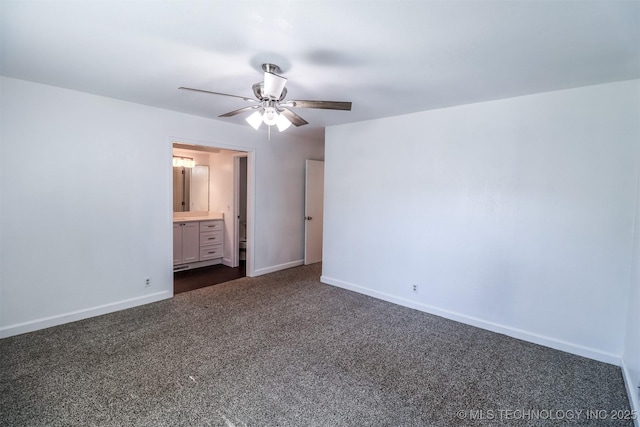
[286, 350]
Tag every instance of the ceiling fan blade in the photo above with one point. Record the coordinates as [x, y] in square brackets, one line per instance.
[295, 119]
[218, 93]
[240, 110]
[325, 105]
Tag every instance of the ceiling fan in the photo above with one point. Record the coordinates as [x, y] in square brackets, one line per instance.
[269, 107]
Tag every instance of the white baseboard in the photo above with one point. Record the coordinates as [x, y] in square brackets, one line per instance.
[47, 322]
[632, 392]
[274, 268]
[227, 262]
[483, 324]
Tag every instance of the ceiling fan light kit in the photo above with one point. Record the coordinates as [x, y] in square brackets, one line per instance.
[255, 120]
[282, 122]
[270, 107]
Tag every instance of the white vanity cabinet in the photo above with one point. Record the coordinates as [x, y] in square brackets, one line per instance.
[197, 243]
[210, 240]
[186, 242]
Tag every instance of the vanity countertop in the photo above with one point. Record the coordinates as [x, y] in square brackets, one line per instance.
[209, 217]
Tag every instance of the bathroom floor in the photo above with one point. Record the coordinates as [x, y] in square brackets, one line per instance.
[197, 278]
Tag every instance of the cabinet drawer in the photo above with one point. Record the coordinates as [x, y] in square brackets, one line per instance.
[210, 237]
[210, 225]
[210, 252]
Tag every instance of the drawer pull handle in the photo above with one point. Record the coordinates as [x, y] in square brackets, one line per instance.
[213, 252]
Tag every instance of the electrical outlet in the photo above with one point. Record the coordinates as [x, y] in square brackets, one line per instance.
[414, 288]
[147, 282]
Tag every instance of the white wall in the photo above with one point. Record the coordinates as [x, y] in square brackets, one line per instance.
[514, 215]
[86, 201]
[631, 354]
[289, 175]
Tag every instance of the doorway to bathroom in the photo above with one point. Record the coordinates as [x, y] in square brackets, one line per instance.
[227, 190]
[240, 207]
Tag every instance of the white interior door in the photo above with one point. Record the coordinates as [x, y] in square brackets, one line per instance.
[313, 208]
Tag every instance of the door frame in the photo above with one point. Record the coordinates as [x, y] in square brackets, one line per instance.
[235, 256]
[251, 194]
[306, 259]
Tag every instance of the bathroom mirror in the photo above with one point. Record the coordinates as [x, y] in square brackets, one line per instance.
[191, 189]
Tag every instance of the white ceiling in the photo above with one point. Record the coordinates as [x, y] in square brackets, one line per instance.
[387, 57]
